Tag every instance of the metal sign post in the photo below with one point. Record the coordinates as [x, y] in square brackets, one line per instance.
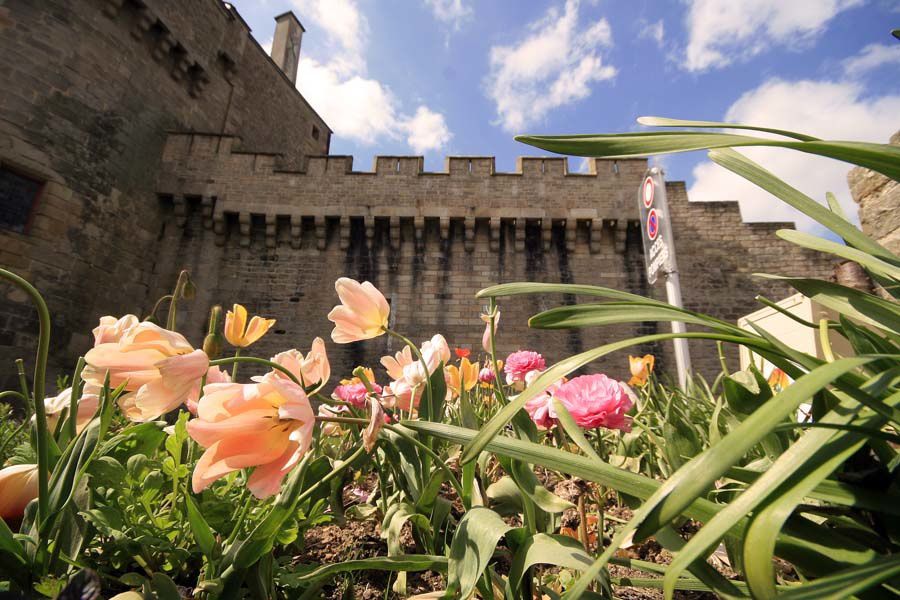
[659, 255]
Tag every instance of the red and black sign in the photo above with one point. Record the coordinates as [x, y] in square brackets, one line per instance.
[656, 230]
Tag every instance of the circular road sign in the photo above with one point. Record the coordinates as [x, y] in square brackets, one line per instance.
[652, 224]
[647, 192]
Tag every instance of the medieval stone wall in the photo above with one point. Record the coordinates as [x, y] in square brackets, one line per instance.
[89, 90]
[276, 240]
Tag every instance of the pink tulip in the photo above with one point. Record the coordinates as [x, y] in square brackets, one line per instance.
[18, 487]
[267, 425]
[311, 370]
[112, 329]
[519, 364]
[399, 394]
[158, 367]
[486, 338]
[362, 314]
[596, 401]
[87, 406]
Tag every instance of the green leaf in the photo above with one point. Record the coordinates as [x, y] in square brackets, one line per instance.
[666, 122]
[203, 533]
[872, 263]
[164, 588]
[532, 487]
[471, 549]
[879, 157]
[610, 313]
[544, 549]
[693, 479]
[850, 302]
[848, 582]
[803, 454]
[746, 168]
[401, 562]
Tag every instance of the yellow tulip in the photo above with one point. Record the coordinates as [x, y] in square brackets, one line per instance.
[240, 333]
[640, 369]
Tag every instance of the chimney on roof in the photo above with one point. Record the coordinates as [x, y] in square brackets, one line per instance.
[286, 44]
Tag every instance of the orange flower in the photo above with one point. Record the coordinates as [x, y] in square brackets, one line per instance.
[158, 367]
[312, 370]
[463, 377]
[640, 369]
[362, 314]
[267, 425]
[240, 333]
[18, 487]
[778, 379]
[463, 352]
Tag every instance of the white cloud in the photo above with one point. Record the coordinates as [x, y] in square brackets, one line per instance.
[830, 110]
[722, 31]
[554, 65]
[652, 31]
[870, 58]
[355, 105]
[426, 130]
[451, 12]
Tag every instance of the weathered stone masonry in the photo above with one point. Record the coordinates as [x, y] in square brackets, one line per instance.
[430, 241]
[165, 138]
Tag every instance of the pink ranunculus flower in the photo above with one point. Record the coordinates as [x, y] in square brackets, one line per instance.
[362, 314]
[267, 425]
[312, 369]
[354, 392]
[87, 406]
[519, 364]
[158, 367]
[596, 401]
[18, 487]
[112, 329]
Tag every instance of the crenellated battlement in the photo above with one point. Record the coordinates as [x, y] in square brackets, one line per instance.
[329, 196]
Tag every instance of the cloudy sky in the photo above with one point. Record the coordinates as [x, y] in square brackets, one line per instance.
[444, 77]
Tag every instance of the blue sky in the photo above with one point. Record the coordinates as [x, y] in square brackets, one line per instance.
[445, 77]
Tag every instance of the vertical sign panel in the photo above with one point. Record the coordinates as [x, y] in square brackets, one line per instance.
[656, 228]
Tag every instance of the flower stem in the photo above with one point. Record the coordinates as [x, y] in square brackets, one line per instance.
[40, 374]
[173, 305]
[23, 385]
[257, 361]
[75, 397]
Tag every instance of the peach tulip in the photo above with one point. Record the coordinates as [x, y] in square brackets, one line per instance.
[395, 364]
[240, 333]
[376, 422]
[329, 428]
[213, 375]
[112, 329]
[400, 394]
[18, 487]
[158, 367]
[311, 370]
[87, 406]
[267, 425]
[362, 314]
[640, 369]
